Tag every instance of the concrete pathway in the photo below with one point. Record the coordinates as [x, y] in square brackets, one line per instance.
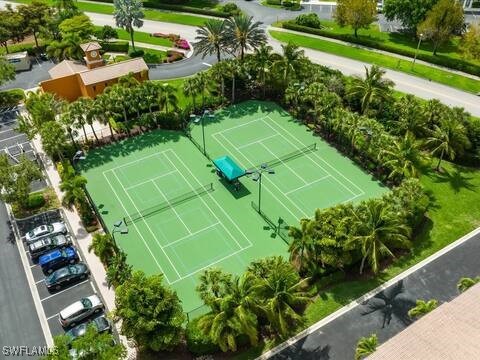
[384, 310]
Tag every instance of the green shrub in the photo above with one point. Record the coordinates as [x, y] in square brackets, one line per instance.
[35, 201]
[274, 2]
[311, 20]
[330, 279]
[11, 97]
[136, 53]
[197, 342]
[117, 46]
[151, 58]
[231, 8]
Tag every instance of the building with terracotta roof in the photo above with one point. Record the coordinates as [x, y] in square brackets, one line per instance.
[452, 331]
[73, 79]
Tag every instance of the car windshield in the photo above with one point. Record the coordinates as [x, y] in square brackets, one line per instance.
[59, 239]
[50, 228]
[59, 274]
[74, 269]
[86, 303]
[79, 330]
[101, 323]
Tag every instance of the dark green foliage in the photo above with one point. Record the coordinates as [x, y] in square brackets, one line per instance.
[136, 53]
[152, 58]
[274, 2]
[197, 342]
[106, 32]
[310, 20]
[35, 201]
[118, 46]
[11, 97]
[409, 12]
[231, 9]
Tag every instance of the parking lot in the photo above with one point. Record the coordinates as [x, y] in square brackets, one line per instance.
[53, 302]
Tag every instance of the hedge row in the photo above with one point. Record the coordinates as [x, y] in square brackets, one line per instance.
[180, 8]
[117, 46]
[11, 97]
[457, 64]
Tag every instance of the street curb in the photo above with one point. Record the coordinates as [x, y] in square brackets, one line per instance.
[367, 296]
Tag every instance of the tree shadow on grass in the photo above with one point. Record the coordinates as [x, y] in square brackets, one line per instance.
[457, 178]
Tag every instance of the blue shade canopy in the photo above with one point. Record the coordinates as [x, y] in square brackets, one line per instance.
[228, 167]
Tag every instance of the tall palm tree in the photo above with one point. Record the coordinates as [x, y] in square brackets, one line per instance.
[211, 38]
[190, 88]
[74, 191]
[128, 14]
[373, 87]
[291, 61]
[410, 118]
[447, 139]
[217, 72]
[402, 157]
[422, 307]
[77, 115]
[118, 270]
[68, 122]
[302, 243]
[103, 111]
[104, 247]
[202, 85]
[366, 346]
[90, 114]
[243, 34]
[376, 229]
[232, 69]
[262, 62]
[213, 284]
[167, 98]
[282, 296]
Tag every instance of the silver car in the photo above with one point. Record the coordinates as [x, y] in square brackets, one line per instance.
[80, 310]
[45, 230]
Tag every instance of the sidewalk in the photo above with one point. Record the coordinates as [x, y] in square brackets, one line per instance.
[83, 241]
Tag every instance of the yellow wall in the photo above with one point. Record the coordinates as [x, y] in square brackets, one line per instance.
[66, 87]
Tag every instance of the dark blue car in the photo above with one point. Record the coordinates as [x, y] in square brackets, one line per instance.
[58, 258]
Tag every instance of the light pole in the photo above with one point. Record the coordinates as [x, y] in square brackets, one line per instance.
[257, 176]
[118, 229]
[420, 38]
[200, 118]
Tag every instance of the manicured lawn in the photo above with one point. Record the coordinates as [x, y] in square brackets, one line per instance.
[142, 37]
[427, 72]
[398, 40]
[150, 14]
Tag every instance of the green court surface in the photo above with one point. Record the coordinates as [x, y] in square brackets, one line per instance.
[193, 220]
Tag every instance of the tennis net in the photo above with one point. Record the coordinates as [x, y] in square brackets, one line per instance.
[131, 218]
[290, 156]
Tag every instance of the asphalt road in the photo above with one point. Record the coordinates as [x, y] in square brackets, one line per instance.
[19, 321]
[30, 79]
[386, 313]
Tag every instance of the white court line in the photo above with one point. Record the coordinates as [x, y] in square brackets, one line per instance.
[192, 234]
[137, 160]
[257, 141]
[238, 126]
[284, 163]
[152, 179]
[136, 228]
[172, 208]
[145, 222]
[318, 157]
[66, 289]
[267, 177]
[308, 184]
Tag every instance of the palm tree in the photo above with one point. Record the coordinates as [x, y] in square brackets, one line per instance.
[211, 38]
[282, 296]
[422, 307]
[74, 191]
[302, 243]
[232, 69]
[68, 122]
[167, 98]
[262, 62]
[243, 34]
[128, 14]
[103, 111]
[290, 62]
[118, 270]
[202, 85]
[402, 157]
[373, 87]
[466, 283]
[376, 228]
[90, 113]
[366, 346]
[213, 285]
[410, 117]
[104, 247]
[190, 88]
[77, 115]
[447, 139]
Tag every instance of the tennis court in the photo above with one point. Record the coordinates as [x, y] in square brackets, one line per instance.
[182, 218]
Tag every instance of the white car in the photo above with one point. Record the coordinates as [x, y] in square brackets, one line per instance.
[45, 230]
[79, 310]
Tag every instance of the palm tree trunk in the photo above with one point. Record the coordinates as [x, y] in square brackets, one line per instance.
[94, 133]
[440, 160]
[233, 89]
[35, 37]
[194, 102]
[218, 54]
[355, 30]
[84, 133]
[131, 38]
[223, 88]
[6, 47]
[70, 133]
[111, 131]
[362, 264]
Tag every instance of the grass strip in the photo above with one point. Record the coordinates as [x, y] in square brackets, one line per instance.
[142, 37]
[390, 62]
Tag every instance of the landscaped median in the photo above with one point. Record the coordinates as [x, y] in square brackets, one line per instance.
[427, 72]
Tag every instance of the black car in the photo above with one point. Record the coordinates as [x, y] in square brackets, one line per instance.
[100, 323]
[66, 275]
[43, 246]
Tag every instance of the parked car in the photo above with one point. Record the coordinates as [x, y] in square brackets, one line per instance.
[80, 310]
[58, 258]
[66, 275]
[43, 246]
[101, 324]
[45, 230]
